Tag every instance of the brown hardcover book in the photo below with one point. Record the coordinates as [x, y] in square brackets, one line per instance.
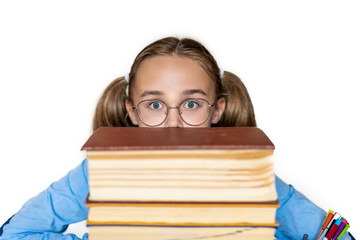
[180, 164]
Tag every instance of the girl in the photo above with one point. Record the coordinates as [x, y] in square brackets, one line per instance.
[169, 74]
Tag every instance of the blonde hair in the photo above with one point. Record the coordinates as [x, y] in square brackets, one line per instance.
[111, 110]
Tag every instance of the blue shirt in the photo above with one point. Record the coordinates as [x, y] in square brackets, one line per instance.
[48, 214]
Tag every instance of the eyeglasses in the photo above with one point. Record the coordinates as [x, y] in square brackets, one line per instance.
[154, 112]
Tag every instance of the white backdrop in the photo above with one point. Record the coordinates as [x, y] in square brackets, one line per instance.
[299, 60]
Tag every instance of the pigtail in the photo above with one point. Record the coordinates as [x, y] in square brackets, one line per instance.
[239, 111]
[111, 109]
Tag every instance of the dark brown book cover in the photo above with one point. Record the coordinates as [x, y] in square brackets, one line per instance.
[133, 138]
[91, 203]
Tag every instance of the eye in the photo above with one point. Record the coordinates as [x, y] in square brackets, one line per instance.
[155, 105]
[191, 104]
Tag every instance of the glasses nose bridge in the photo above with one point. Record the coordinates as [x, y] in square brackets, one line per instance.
[175, 107]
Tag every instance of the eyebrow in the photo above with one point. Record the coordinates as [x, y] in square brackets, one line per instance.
[147, 93]
[193, 91]
[185, 92]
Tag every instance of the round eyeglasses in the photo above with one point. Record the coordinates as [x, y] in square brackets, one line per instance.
[154, 112]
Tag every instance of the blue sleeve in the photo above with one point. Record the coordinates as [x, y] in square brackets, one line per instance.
[48, 215]
[297, 215]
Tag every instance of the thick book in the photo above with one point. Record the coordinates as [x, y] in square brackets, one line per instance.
[230, 164]
[182, 213]
[180, 233]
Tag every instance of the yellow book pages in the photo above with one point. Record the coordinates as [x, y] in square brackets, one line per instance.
[185, 175]
[180, 233]
[183, 214]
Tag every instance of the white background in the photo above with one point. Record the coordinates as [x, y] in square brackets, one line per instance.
[299, 60]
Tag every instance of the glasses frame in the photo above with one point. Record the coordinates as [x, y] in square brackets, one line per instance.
[175, 107]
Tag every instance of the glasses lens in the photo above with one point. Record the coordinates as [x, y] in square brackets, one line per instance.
[194, 111]
[152, 112]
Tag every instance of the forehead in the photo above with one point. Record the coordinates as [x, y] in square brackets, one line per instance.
[172, 74]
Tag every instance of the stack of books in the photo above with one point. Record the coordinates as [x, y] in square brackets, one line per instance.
[181, 183]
